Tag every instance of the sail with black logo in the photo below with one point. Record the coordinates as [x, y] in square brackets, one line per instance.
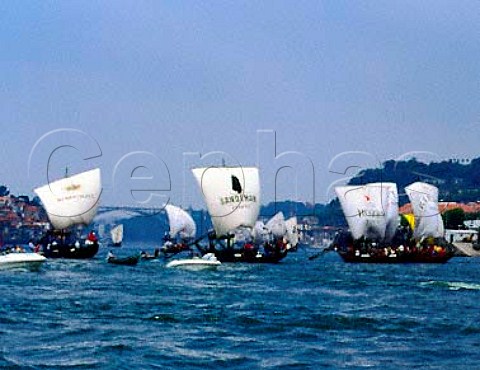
[236, 186]
[232, 196]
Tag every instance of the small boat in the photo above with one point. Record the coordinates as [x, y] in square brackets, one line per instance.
[129, 261]
[182, 231]
[20, 259]
[207, 261]
[146, 256]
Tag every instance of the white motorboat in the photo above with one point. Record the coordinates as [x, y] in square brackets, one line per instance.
[207, 261]
[12, 260]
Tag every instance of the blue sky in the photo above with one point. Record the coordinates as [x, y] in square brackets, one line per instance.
[329, 77]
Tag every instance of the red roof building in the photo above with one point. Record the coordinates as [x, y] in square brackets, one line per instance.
[472, 207]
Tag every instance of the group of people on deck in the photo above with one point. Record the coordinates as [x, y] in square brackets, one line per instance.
[172, 246]
[424, 247]
[12, 249]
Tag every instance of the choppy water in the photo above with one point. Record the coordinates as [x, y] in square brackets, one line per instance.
[298, 314]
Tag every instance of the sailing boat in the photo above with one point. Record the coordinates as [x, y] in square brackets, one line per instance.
[375, 236]
[70, 202]
[232, 195]
[116, 234]
[182, 230]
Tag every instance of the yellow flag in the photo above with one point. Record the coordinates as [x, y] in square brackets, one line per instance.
[411, 220]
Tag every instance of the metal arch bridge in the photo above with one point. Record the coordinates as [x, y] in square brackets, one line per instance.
[140, 211]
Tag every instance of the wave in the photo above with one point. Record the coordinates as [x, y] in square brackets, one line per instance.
[452, 285]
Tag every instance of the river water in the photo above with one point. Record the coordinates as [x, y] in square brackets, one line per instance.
[298, 314]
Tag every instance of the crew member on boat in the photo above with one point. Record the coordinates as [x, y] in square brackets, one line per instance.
[110, 255]
[92, 237]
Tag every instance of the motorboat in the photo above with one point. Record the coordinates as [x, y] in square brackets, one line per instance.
[21, 259]
[206, 261]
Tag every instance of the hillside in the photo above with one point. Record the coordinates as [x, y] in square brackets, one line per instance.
[456, 182]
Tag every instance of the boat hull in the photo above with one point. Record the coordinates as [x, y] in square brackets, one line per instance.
[405, 251]
[194, 263]
[70, 251]
[129, 261]
[413, 258]
[232, 256]
[64, 244]
[207, 261]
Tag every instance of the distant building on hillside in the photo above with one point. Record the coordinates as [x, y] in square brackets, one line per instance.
[471, 207]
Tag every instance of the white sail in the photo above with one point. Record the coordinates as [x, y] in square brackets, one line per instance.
[232, 195]
[292, 231]
[276, 225]
[181, 223]
[117, 234]
[72, 200]
[260, 232]
[364, 208]
[390, 207]
[424, 200]
[243, 235]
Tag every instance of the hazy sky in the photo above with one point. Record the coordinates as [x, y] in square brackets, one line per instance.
[170, 77]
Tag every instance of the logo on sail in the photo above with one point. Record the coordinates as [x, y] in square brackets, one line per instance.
[240, 197]
[369, 213]
[72, 187]
[236, 186]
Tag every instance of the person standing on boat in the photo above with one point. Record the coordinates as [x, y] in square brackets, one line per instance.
[91, 236]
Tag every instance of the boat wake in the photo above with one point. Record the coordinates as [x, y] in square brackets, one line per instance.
[452, 285]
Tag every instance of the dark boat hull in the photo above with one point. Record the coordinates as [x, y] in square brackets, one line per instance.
[129, 261]
[70, 251]
[413, 258]
[225, 250]
[66, 244]
[235, 256]
[403, 251]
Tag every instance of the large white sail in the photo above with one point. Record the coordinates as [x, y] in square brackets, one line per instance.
[390, 206]
[292, 231]
[424, 200]
[232, 195]
[72, 200]
[276, 225]
[117, 234]
[181, 223]
[364, 209]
